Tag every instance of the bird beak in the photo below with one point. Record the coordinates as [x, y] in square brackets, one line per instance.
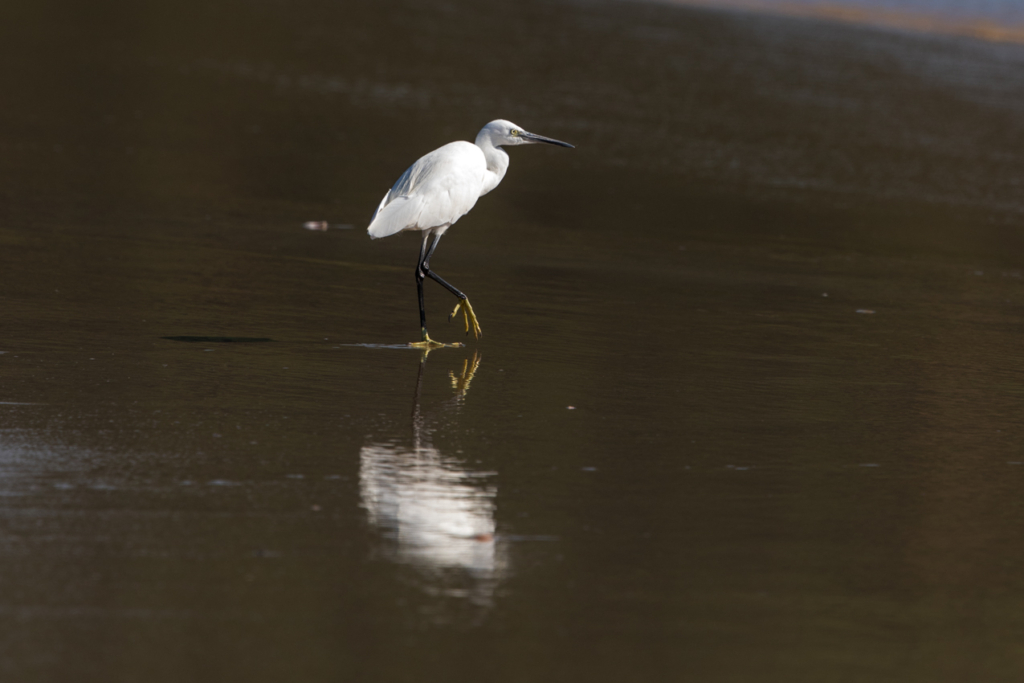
[540, 138]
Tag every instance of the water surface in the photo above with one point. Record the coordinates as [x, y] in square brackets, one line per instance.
[747, 406]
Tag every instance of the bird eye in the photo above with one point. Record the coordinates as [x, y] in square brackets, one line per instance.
[515, 132]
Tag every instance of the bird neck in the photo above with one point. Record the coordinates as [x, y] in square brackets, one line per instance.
[497, 163]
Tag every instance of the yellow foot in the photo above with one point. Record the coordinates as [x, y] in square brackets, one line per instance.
[467, 310]
[429, 344]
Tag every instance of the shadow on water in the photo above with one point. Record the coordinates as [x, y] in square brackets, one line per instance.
[220, 340]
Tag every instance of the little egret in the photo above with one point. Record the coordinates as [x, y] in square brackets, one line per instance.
[439, 189]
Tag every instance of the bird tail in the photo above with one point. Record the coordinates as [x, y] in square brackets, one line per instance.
[394, 216]
[374, 228]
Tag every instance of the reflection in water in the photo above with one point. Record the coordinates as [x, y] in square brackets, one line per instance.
[437, 514]
[434, 509]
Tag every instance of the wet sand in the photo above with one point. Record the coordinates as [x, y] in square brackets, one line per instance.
[747, 406]
[999, 21]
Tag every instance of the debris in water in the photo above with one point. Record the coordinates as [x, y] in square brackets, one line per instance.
[323, 226]
[865, 310]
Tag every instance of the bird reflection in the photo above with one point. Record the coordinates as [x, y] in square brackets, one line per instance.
[436, 513]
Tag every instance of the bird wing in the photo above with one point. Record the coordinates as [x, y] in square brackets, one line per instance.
[434, 192]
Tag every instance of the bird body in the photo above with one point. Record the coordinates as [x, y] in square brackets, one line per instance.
[433, 193]
[439, 189]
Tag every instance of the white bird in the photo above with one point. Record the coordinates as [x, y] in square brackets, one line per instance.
[439, 189]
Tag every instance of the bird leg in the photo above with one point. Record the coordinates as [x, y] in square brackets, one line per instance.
[470, 316]
[467, 310]
[463, 304]
[422, 270]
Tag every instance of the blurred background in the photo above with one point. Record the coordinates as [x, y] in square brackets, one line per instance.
[747, 407]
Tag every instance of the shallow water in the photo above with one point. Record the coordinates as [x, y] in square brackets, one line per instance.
[747, 406]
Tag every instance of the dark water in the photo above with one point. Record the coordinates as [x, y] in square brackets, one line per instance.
[747, 407]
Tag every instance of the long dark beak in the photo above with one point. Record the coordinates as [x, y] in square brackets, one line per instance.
[540, 138]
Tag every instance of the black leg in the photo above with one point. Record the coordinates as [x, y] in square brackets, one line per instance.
[425, 267]
[420, 274]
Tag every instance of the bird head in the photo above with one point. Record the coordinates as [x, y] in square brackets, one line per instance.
[502, 133]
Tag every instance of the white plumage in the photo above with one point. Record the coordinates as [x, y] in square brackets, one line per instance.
[439, 189]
